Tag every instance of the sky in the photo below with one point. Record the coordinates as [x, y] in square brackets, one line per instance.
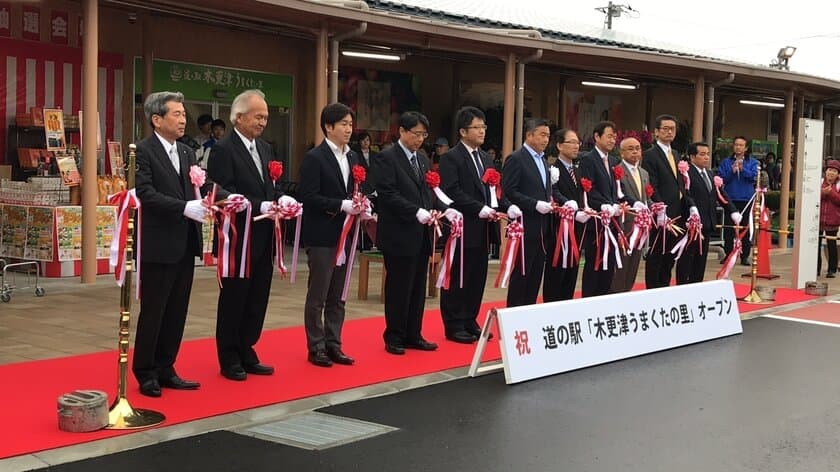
[750, 31]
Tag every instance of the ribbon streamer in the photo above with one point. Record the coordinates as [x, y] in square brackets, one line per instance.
[694, 232]
[733, 256]
[566, 241]
[605, 240]
[515, 233]
[642, 224]
[125, 201]
[456, 233]
[278, 213]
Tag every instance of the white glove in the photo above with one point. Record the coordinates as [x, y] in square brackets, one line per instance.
[616, 209]
[514, 212]
[286, 200]
[265, 207]
[453, 214]
[639, 205]
[582, 217]
[236, 196]
[543, 207]
[486, 212]
[693, 211]
[347, 207]
[736, 218]
[195, 210]
[661, 219]
[367, 215]
[608, 208]
[423, 216]
[571, 204]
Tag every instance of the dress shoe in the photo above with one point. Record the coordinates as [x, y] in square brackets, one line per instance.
[745, 262]
[178, 383]
[477, 333]
[339, 357]
[829, 275]
[462, 337]
[320, 358]
[150, 388]
[395, 349]
[234, 372]
[421, 345]
[258, 369]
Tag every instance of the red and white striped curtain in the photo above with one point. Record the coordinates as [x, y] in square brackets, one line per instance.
[34, 74]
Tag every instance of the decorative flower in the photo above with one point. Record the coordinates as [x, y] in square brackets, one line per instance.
[359, 174]
[197, 176]
[618, 172]
[555, 174]
[649, 190]
[682, 166]
[432, 179]
[586, 184]
[275, 170]
[491, 177]
[718, 181]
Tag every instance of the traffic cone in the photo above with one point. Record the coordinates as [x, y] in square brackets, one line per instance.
[764, 247]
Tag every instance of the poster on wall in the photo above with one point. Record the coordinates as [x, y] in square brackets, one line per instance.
[54, 129]
[39, 234]
[68, 223]
[378, 97]
[115, 159]
[69, 171]
[13, 231]
[584, 111]
[106, 219]
[5, 19]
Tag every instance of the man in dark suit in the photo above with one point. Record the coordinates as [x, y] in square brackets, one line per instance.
[559, 283]
[527, 184]
[365, 157]
[691, 266]
[326, 191]
[661, 162]
[239, 163]
[461, 173]
[403, 233]
[597, 166]
[633, 183]
[170, 239]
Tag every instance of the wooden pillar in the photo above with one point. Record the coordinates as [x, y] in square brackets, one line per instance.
[832, 119]
[787, 134]
[561, 104]
[321, 53]
[90, 93]
[508, 124]
[648, 108]
[697, 124]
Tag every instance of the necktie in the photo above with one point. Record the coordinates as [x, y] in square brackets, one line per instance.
[638, 180]
[672, 163]
[256, 157]
[478, 166]
[607, 164]
[415, 167]
[706, 179]
[572, 174]
[173, 157]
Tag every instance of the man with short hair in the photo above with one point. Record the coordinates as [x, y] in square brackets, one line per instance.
[403, 232]
[461, 172]
[240, 162]
[170, 241]
[738, 172]
[326, 191]
[527, 184]
[633, 183]
[691, 266]
[205, 127]
[661, 163]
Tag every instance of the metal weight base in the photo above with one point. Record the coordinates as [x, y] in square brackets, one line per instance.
[123, 416]
[755, 298]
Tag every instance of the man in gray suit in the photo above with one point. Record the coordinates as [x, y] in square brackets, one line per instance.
[633, 184]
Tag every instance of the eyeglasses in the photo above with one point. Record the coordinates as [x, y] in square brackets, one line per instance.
[419, 134]
[479, 127]
[573, 143]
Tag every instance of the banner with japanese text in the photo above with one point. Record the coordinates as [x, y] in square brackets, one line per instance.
[40, 226]
[13, 231]
[68, 223]
[550, 338]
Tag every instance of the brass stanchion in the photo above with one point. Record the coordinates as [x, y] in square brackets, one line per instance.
[122, 415]
[753, 296]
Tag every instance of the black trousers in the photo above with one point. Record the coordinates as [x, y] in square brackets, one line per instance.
[164, 298]
[241, 312]
[558, 283]
[595, 282]
[459, 307]
[658, 266]
[524, 289]
[691, 266]
[729, 233]
[405, 297]
[831, 246]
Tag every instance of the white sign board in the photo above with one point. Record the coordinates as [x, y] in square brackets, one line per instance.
[809, 151]
[550, 338]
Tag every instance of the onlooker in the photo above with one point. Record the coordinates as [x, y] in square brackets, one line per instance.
[774, 170]
[441, 148]
[738, 172]
[830, 215]
[205, 124]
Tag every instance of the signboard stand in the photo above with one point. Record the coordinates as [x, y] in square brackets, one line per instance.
[476, 368]
[809, 151]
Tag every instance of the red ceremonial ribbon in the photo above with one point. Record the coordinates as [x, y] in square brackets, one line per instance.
[361, 203]
[433, 181]
[642, 224]
[125, 201]
[733, 256]
[515, 233]
[718, 185]
[605, 242]
[618, 173]
[224, 214]
[456, 232]
[278, 213]
[586, 185]
[566, 240]
[694, 232]
[492, 178]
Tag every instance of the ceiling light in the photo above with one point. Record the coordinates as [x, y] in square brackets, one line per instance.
[762, 104]
[608, 85]
[372, 55]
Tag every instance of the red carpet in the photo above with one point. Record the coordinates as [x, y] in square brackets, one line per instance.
[29, 409]
[822, 312]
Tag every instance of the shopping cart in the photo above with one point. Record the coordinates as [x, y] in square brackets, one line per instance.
[8, 278]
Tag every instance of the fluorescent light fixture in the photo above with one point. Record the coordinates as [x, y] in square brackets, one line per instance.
[762, 104]
[608, 85]
[372, 55]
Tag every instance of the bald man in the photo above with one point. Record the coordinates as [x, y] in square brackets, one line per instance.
[633, 184]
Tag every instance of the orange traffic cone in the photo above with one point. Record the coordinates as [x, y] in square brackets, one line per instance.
[764, 248]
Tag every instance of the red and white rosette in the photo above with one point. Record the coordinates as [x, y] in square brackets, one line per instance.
[515, 248]
[433, 181]
[352, 222]
[278, 213]
[224, 214]
[718, 184]
[642, 223]
[456, 232]
[125, 201]
[586, 185]
[694, 232]
[682, 168]
[729, 262]
[197, 178]
[492, 179]
[618, 174]
[605, 242]
[566, 242]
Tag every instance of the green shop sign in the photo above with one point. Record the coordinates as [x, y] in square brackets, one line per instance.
[210, 83]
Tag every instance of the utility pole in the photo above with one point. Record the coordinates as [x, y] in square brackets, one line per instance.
[613, 11]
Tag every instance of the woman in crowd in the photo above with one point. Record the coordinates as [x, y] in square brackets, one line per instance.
[830, 215]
